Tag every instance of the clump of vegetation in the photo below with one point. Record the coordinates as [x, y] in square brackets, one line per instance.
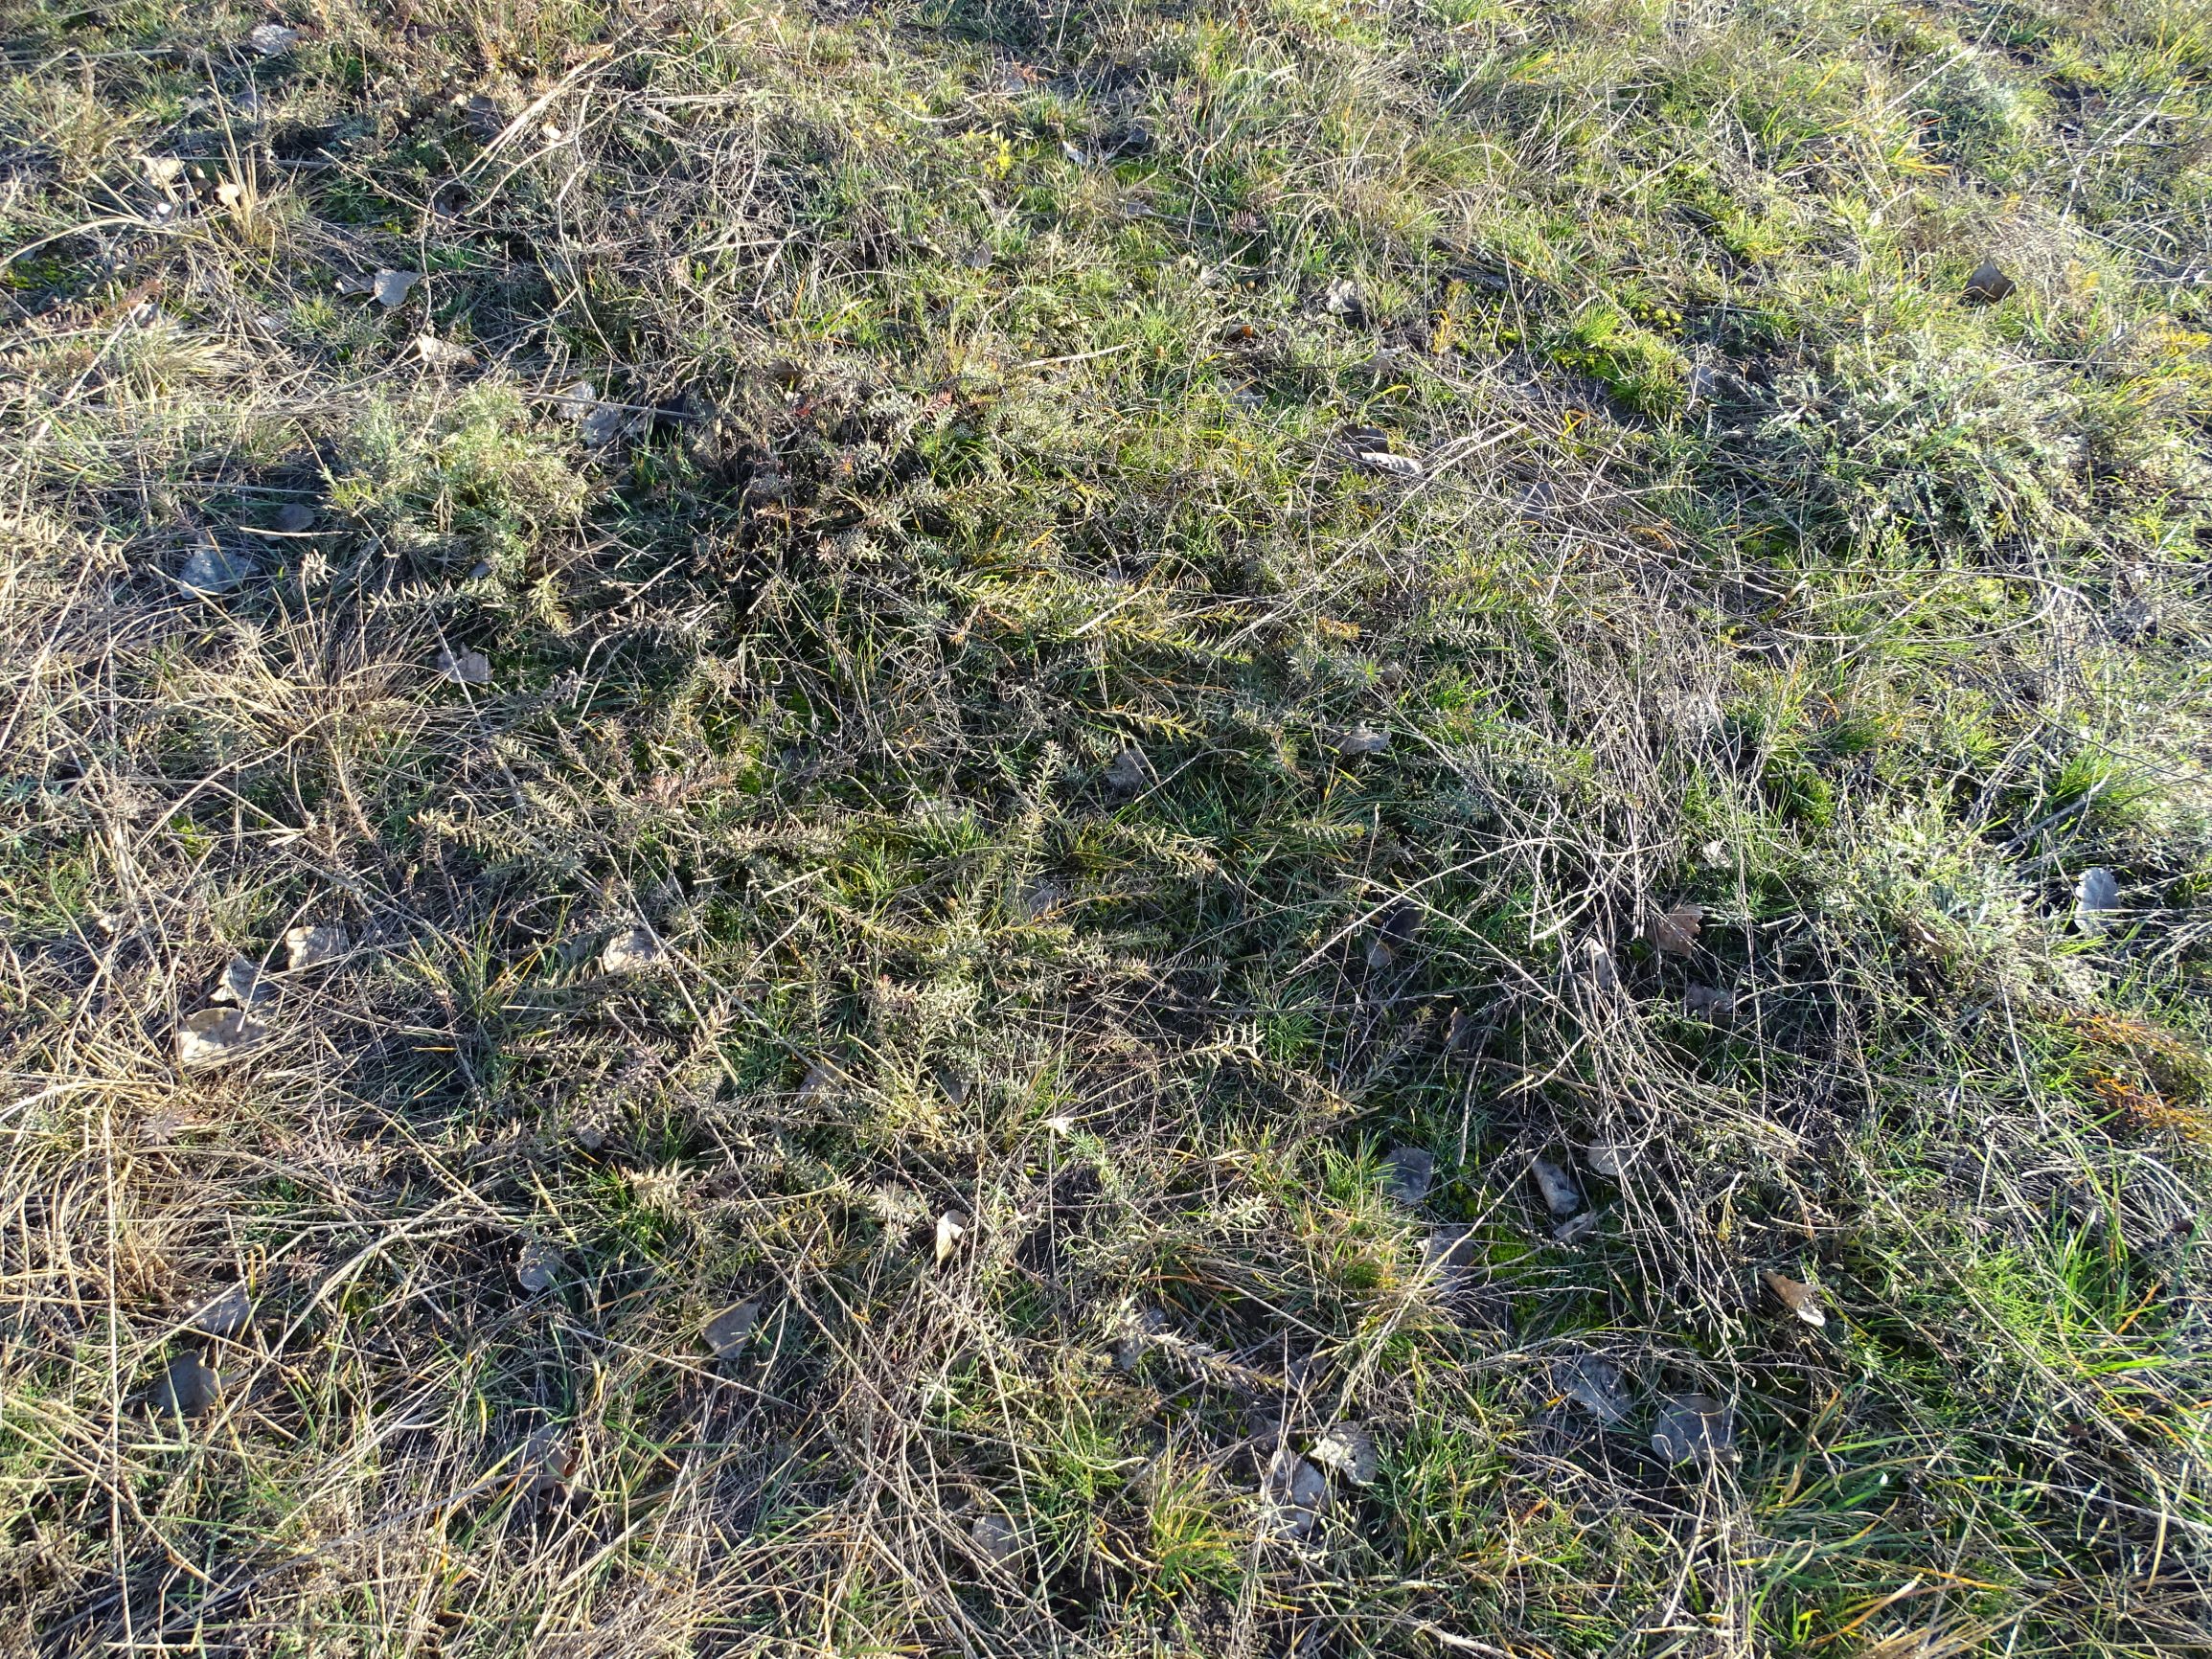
[1308, 829]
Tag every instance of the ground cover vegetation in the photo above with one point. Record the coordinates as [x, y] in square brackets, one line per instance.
[1298, 828]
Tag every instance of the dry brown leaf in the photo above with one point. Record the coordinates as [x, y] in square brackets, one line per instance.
[537, 1267]
[217, 1036]
[1349, 1449]
[1676, 931]
[1799, 1298]
[728, 1331]
[188, 1388]
[949, 1233]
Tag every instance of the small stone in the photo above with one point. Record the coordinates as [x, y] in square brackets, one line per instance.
[1709, 1003]
[1460, 1033]
[602, 424]
[1126, 772]
[1595, 964]
[213, 569]
[1342, 298]
[1407, 1172]
[188, 1388]
[1609, 1157]
[546, 1463]
[951, 1230]
[2096, 896]
[1363, 740]
[728, 1331]
[1576, 1228]
[271, 40]
[1676, 931]
[241, 984]
[441, 354]
[1393, 933]
[295, 518]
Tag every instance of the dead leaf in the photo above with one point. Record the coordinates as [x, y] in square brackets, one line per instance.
[1595, 1384]
[1294, 1493]
[1342, 298]
[162, 170]
[1126, 772]
[1349, 1449]
[241, 984]
[1693, 1426]
[2096, 896]
[537, 1267]
[1389, 464]
[1363, 740]
[728, 1331]
[1576, 1228]
[1595, 963]
[270, 39]
[1988, 284]
[223, 1315]
[441, 354]
[1407, 1172]
[1609, 1157]
[1800, 1299]
[217, 1036]
[315, 947]
[465, 667]
[547, 1461]
[230, 193]
[1460, 1034]
[213, 569]
[1708, 1001]
[1674, 931]
[188, 1388]
[636, 951]
[392, 287]
[949, 1233]
[1393, 933]
[1560, 1196]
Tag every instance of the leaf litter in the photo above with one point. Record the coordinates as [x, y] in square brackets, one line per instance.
[1407, 1172]
[1799, 1298]
[188, 1388]
[1347, 1449]
[1293, 1494]
[218, 1037]
[1693, 1426]
[727, 1333]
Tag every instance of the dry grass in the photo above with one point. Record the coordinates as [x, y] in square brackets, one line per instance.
[1767, 639]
